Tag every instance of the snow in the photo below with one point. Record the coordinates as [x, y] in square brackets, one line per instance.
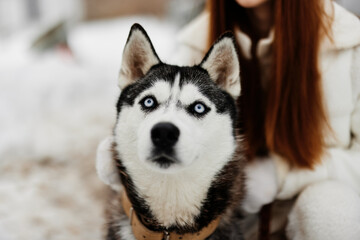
[54, 110]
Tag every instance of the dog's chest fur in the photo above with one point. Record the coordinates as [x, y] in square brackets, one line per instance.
[174, 199]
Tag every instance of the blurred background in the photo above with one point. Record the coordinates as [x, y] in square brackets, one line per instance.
[58, 88]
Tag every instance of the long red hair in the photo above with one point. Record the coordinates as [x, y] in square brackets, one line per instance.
[289, 117]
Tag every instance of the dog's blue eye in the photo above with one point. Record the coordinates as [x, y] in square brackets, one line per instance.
[199, 108]
[148, 103]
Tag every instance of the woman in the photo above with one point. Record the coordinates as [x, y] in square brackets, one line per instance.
[300, 70]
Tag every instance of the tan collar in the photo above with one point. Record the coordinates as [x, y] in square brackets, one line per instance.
[142, 232]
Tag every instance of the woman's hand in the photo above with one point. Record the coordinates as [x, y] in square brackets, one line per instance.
[105, 164]
[261, 184]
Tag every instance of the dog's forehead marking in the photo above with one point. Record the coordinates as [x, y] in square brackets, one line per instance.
[175, 90]
[191, 93]
[164, 91]
[176, 93]
[161, 90]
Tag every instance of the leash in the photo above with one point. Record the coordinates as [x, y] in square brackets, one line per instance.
[141, 232]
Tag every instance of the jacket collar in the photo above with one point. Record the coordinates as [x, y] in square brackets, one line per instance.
[345, 31]
[345, 28]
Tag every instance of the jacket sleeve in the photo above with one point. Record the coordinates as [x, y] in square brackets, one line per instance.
[338, 163]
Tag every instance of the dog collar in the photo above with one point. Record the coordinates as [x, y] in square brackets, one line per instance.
[140, 231]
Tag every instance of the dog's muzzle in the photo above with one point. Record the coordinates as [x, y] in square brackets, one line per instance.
[164, 136]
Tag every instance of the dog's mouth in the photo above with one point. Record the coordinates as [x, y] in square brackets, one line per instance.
[164, 161]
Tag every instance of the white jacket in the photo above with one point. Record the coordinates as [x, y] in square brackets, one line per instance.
[340, 68]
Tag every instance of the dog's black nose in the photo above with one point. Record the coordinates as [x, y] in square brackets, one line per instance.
[164, 135]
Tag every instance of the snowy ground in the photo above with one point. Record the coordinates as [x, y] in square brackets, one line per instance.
[54, 109]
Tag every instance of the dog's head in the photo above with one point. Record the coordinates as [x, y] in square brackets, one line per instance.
[170, 117]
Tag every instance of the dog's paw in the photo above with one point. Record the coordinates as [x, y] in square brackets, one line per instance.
[105, 164]
[261, 184]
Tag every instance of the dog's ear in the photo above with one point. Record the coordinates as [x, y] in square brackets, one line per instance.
[222, 64]
[138, 56]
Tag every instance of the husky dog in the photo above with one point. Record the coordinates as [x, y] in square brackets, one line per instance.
[175, 146]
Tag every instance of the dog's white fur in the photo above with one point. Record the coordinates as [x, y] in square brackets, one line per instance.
[125, 229]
